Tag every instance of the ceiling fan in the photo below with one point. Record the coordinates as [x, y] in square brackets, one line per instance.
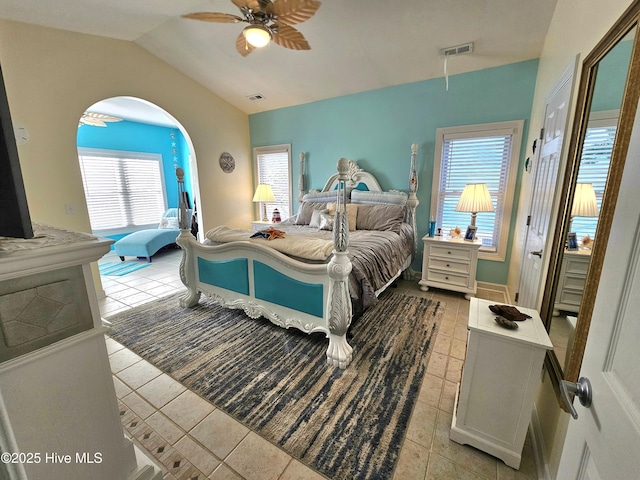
[97, 119]
[268, 20]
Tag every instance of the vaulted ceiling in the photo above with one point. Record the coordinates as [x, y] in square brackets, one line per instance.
[356, 45]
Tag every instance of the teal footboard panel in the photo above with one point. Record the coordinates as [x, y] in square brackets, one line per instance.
[229, 274]
[274, 287]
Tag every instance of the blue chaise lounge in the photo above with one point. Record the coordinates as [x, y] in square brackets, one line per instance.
[145, 243]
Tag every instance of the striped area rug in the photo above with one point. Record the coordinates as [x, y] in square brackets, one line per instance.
[346, 424]
[119, 269]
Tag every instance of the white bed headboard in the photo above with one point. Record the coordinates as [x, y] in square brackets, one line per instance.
[358, 179]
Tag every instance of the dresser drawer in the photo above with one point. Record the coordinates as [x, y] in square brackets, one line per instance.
[449, 265]
[577, 266]
[569, 297]
[450, 252]
[448, 278]
[573, 282]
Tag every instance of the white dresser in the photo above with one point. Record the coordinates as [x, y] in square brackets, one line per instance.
[450, 263]
[500, 379]
[573, 274]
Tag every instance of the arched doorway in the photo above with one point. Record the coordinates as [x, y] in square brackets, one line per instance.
[128, 150]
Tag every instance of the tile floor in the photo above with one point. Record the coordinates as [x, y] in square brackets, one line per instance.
[190, 439]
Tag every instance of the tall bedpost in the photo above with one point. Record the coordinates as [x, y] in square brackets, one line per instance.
[412, 204]
[301, 179]
[339, 352]
[187, 273]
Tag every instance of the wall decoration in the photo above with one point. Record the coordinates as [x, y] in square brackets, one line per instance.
[174, 149]
[227, 163]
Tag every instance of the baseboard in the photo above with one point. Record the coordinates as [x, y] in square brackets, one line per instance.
[537, 443]
[496, 288]
[147, 470]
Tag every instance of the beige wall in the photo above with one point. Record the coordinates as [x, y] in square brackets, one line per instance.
[576, 28]
[52, 76]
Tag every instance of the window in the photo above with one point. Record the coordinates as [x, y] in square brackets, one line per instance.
[488, 154]
[124, 190]
[594, 164]
[273, 166]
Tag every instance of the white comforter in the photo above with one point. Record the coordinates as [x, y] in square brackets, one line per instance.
[294, 245]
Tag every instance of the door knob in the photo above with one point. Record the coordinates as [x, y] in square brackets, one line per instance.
[582, 390]
[537, 254]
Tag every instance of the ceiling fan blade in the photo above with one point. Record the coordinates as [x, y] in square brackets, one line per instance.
[97, 119]
[291, 12]
[289, 37]
[243, 47]
[255, 5]
[214, 17]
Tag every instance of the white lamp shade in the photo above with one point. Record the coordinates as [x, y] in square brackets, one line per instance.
[475, 198]
[264, 193]
[257, 35]
[584, 201]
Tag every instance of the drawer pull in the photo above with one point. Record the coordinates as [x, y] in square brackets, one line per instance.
[448, 253]
[448, 265]
[446, 278]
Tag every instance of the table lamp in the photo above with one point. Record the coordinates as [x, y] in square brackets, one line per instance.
[475, 198]
[264, 194]
[584, 202]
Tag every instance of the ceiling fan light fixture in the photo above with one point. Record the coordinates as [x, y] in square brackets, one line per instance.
[257, 36]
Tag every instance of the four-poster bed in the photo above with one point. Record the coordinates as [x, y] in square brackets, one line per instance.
[318, 293]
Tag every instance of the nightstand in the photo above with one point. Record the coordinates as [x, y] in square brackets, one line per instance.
[573, 275]
[258, 225]
[450, 263]
[500, 379]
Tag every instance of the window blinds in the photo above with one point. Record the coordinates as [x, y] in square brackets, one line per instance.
[474, 159]
[273, 169]
[122, 192]
[594, 168]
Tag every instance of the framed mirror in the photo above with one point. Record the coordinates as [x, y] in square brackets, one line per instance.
[605, 110]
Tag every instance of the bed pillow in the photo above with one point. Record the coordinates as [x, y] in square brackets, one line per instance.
[352, 214]
[320, 197]
[315, 218]
[394, 197]
[380, 217]
[306, 210]
[326, 221]
[169, 223]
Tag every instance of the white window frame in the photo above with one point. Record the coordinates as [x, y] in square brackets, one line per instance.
[122, 154]
[515, 128]
[282, 148]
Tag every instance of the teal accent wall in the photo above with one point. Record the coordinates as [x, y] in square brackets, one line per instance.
[229, 274]
[274, 287]
[377, 128]
[141, 137]
[612, 77]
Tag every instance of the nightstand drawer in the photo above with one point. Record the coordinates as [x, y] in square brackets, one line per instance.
[577, 266]
[575, 282]
[448, 278]
[450, 252]
[568, 297]
[449, 265]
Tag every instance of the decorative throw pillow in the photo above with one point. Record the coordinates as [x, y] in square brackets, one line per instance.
[315, 218]
[352, 214]
[326, 221]
[169, 223]
[306, 210]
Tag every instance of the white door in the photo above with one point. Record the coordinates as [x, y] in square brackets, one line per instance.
[604, 442]
[543, 193]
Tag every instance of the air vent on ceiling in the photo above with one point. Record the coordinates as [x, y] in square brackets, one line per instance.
[457, 50]
[256, 96]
